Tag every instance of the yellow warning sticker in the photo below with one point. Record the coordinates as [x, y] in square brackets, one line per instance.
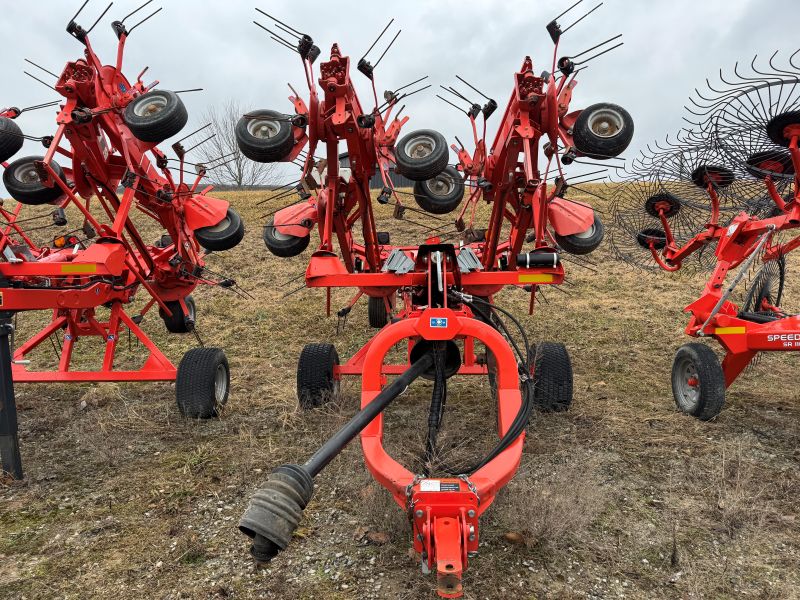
[1, 298]
[727, 330]
[536, 278]
[78, 268]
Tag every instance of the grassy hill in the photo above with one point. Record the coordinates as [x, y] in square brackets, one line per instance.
[620, 497]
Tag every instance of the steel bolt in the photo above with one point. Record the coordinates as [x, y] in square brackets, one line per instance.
[471, 513]
[419, 513]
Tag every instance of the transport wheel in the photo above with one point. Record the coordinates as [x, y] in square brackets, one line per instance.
[779, 123]
[10, 138]
[698, 383]
[202, 383]
[552, 377]
[24, 184]
[316, 381]
[224, 235]
[773, 163]
[155, 116]
[281, 244]
[584, 242]
[441, 194]
[265, 136]
[766, 285]
[376, 310]
[421, 155]
[602, 131]
[179, 322]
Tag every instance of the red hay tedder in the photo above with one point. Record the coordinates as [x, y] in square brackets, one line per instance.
[723, 192]
[443, 289]
[108, 130]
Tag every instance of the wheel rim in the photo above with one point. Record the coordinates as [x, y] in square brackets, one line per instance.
[606, 123]
[220, 384]
[586, 234]
[27, 174]
[686, 384]
[263, 129]
[420, 146]
[152, 105]
[281, 237]
[441, 186]
[221, 226]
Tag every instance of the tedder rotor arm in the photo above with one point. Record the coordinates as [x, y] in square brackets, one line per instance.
[276, 508]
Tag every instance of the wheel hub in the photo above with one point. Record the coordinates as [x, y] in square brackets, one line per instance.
[152, 106]
[420, 147]
[606, 123]
[441, 185]
[264, 128]
[687, 385]
[27, 174]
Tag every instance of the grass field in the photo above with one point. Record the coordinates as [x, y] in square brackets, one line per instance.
[620, 497]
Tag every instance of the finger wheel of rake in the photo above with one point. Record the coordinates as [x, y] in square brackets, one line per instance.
[662, 203]
[775, 163]
[717, 176]
[652, 238]
[767, 286]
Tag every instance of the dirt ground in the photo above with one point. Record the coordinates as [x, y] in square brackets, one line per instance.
[621, 497]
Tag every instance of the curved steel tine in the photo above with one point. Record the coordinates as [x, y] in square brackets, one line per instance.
[791, 60]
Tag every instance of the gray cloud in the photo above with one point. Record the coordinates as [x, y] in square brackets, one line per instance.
[671, 46]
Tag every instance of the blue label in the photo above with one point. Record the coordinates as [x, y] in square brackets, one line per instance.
[439, 322]
[122, 88]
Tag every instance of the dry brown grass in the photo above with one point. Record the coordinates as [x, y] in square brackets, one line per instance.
[620, 497]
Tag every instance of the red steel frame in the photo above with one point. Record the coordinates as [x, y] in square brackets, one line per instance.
[742, 339]
[509, 177]
[445, 512]
[74, 282]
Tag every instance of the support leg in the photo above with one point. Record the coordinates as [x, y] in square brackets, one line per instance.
[734, 363]
[9, 438]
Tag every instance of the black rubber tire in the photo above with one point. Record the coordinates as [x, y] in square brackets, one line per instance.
[265, 149]
[711, 381]
[581, 243]
[284, 246]
[778, 123]
[11, 139]
[170, 118]
[376, 310]
[591, 144]
[176, 322]
[441, 194]
[421, 168]
[195, 385]
[552, 377]
[224, 235]
[31, 191]
[316, 384]
[164, 241]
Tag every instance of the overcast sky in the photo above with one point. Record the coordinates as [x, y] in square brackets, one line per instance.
[670, 47]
